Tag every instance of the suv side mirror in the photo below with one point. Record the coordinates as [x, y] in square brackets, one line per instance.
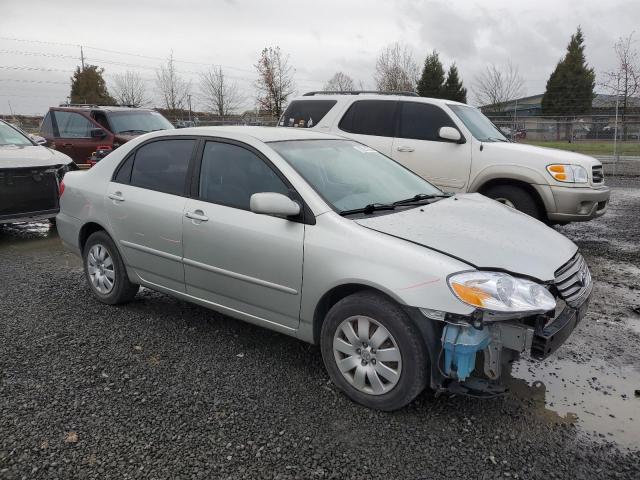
[98, 133]
[270, 203]
[449, 134]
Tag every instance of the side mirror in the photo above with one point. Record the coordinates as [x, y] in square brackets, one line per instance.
[98, 133]
[38, 139]
[449, 134]
[270, 203]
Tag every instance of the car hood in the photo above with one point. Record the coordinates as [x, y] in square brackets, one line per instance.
[482, 233]
[21, 156]
[543, 154]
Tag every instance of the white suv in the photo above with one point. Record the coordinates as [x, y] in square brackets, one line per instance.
[457, 148]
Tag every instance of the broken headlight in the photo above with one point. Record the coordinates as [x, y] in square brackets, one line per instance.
[501, 292]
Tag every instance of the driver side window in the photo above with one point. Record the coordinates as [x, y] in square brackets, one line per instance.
[230, 174]
[422, 121]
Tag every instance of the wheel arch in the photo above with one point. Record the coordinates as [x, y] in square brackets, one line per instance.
[86, 230]
[526, 186]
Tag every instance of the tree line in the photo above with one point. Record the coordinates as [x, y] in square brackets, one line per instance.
[569, 91]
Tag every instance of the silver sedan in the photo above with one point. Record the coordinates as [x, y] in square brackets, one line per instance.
[327, 240]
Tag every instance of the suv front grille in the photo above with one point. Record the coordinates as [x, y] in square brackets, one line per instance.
[573, 280]
[597, 175]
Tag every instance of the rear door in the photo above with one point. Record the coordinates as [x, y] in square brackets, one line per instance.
[372, 122]
[72, 134]
[235, 258]
[145, 204]
[419, 148]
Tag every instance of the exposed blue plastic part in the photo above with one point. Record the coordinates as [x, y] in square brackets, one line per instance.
[460, 347]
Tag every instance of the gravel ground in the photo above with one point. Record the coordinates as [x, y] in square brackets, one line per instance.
[164, 389]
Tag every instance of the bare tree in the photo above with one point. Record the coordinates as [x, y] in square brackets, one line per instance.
[624, 81]
[173, 89]
[396, 70]
[129, 89]
[275, 80]
[496, 86]
[220, 95]
[340, 82]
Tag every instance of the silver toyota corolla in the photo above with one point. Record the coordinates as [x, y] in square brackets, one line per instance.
[327, 240]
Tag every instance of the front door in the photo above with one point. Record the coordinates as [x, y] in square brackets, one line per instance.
[145, 205]
[234, 258]
[73, 135]
[419, 148]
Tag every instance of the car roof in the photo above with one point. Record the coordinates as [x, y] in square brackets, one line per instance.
[105, 108]
[374, 96]
[263, 134]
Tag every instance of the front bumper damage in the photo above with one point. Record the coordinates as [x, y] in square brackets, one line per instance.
[471, 356]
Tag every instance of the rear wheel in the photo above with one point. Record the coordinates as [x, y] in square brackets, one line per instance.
[105, 270]
[373, 352]
[515, 197]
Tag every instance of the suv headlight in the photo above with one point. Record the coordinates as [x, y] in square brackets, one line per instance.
[568, 173]
[500, 292]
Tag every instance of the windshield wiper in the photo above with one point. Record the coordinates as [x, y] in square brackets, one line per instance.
[421, 197]
[368, 209]
[133, 131]
[496, 139]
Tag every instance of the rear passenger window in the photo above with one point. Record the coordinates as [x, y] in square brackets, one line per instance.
[422, 121]
[230, 174]
[370, 117]
[305, 113]
[162, 165]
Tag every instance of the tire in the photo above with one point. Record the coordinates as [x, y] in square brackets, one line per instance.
[363, 383]
[105, 270]
[516, 197]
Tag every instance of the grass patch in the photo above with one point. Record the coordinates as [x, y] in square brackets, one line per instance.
[588, 147]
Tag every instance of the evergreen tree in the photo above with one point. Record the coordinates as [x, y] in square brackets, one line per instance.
[453, 89]
[431, 83]
[88, 86]
[570, 87]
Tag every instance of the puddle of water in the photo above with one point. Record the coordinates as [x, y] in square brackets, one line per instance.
[595, 395]
[33, 238]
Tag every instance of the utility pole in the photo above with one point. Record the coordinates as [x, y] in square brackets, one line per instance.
[82, 58]
[189, 100]
[615, 131]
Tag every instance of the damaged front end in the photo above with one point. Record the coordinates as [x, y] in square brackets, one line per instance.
[471, 350]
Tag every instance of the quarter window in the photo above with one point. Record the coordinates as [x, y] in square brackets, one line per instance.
[370, 117]
[422, 121]
[73, 125]
[46, 127]
[305, 113]
[162, 165]
[230, 174]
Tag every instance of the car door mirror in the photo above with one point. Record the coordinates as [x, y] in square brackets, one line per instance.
[38, 139]
[270, 203]
[449, 134]
[98, 133]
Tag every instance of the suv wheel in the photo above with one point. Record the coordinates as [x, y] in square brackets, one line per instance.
[373, 352]
[515, 197]
[105, 270]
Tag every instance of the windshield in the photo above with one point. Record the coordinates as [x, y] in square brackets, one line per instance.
[11, 136]
[350, 175]
[480, 126]
[138, 122]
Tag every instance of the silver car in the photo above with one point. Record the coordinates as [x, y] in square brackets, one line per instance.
[327, 240]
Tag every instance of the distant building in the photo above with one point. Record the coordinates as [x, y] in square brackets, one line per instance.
[532, 106]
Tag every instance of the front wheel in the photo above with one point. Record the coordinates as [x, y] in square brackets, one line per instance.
[373, 352]
[105, 270]
[515, 197]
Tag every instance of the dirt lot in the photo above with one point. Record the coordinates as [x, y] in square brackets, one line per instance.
[164, 389]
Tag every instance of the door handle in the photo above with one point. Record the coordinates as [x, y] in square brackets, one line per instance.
[116, 196]
[405, 149]
[197, 215]
[67, 145]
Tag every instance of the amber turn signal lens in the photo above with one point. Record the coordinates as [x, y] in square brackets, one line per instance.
[471, 295]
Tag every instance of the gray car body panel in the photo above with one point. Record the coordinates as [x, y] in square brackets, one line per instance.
[385, 252]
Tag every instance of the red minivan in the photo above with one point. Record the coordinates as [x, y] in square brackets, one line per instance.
[80, 130]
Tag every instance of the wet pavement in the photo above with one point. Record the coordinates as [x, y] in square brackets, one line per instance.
[587, 386]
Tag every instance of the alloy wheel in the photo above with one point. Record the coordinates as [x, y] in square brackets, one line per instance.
[101, 269]
[367, 355]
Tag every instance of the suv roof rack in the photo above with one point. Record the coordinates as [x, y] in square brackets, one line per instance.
[358, 92]
[78, 105]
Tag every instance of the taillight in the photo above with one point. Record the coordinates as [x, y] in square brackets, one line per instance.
[60, 188]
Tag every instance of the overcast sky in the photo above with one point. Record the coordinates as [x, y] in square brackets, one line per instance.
[320, 37]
